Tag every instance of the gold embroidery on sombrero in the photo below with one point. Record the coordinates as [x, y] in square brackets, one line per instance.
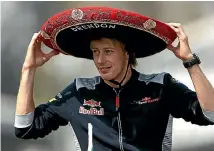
[77, 14]
[57, 30]
[100, 16]
[149, 24]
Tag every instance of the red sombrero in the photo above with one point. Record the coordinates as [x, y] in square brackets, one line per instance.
[71, 31]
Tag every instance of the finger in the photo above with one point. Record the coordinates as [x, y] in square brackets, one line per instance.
[177, 30]
[171, 47]
[181, 35]
[175, 24]
[51, 54]
[178, 26]
[38, 44]
[35, 39]
[184, 36]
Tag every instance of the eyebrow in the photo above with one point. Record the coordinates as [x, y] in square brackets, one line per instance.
[103, 48]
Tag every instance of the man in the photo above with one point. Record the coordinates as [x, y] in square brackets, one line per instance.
[121, 109]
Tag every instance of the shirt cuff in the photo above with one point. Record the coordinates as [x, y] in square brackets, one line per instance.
[209, 115]
[23, 121]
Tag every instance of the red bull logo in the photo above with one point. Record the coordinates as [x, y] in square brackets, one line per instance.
[92, 103]
[92, 110]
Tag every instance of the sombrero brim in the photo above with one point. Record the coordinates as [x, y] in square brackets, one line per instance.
[71, 31]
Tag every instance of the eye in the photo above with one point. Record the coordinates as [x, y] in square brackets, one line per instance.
[108, 51]
[95, 51]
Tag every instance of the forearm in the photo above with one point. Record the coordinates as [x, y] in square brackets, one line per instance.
[25, 102]
[203, 87]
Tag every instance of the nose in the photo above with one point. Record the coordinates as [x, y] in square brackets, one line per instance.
[101, 59]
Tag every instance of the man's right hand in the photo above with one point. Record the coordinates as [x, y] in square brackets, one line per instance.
[35, 57]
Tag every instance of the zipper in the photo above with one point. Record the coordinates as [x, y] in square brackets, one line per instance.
[117, 104]
[90, 137]
[76, 142]
[117, 99]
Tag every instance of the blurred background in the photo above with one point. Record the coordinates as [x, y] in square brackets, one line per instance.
[19, 20]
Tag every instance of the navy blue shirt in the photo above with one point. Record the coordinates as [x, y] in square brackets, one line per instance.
[142, 121]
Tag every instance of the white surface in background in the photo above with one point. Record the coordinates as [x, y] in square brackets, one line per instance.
[186, 135]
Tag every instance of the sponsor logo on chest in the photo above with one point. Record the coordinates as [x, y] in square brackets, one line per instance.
[146, 100]
[91, 107]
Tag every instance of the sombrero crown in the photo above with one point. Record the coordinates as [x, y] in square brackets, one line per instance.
[71, 31]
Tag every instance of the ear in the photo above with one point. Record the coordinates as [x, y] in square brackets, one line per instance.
[127, 55]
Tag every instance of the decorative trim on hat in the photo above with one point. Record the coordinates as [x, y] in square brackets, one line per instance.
[149, 27]
[149, 24]
[77, 14]
[87, 18]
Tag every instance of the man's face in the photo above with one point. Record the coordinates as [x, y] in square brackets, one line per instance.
[109, 58]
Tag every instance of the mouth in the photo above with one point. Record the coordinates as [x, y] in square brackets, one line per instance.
[104, 69]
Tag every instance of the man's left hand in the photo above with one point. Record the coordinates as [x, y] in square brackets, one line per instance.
[182, 50]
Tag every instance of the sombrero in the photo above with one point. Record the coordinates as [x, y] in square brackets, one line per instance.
[71, 31]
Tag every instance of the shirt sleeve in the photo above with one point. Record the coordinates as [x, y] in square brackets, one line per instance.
[46, 117]
[183, 103]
